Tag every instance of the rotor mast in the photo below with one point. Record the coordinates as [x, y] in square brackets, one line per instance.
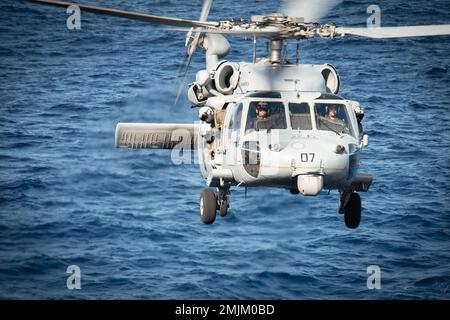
[276, 45]
[280, 28]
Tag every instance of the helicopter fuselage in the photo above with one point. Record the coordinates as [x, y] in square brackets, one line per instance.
[296, 147]
[296, 150]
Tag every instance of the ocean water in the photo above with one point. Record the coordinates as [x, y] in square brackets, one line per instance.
[129, 219]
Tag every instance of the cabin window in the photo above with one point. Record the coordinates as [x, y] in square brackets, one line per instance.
[333, 117]
[300, 116]
[266, 115]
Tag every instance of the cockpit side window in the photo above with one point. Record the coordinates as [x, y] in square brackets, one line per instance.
[300, 116]
[266, 115]
[333, 117]
[235, 120]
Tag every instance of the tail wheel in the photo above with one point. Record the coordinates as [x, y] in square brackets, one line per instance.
[352, 211]
[208, 204]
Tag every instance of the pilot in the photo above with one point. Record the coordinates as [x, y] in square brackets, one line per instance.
[332, 119]
[262, 115]
[332, 114]
[262, 110]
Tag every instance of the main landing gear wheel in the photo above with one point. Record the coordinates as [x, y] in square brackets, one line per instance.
[352, 211]
[208, 206]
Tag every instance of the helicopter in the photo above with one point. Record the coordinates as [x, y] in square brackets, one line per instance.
[270, 122]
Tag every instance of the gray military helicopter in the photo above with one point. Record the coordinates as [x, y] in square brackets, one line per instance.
[270, 122]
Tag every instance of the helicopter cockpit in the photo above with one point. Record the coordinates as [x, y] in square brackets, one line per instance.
[271, 115]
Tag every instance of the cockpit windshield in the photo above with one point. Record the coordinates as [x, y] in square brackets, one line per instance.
[325, 116]
[300, 116]
[333, 117]
[266, 115]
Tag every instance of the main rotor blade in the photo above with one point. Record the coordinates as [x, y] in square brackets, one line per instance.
[131, 15]
[310, 10]
[203, 16]
[397, 32]
[205, 10]
[193, 46]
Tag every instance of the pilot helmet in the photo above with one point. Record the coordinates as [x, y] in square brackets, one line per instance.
[262, 105]
[331, 106]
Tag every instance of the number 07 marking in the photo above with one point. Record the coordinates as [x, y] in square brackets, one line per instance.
[307, 157]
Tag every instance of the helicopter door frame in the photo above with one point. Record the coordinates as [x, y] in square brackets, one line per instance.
[230, 143]
[250, 149]
[226, 134]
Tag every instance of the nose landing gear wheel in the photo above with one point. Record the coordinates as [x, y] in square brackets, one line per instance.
[352, 211]
[223, 200]
[208, 205]
[223, 208]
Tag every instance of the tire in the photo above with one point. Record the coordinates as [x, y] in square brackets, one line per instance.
[208, 204]
[352, 211]
[223, 209]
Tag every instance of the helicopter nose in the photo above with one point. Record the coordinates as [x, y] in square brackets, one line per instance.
[321, 166]
[335, 165]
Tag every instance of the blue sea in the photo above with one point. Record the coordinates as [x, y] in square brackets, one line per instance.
[130, 219]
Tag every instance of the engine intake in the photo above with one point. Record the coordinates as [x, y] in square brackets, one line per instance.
[226, 77]
[331, 76]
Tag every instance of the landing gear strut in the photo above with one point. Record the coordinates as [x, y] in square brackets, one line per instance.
[350, 206]
[223, 201]
[211, 201]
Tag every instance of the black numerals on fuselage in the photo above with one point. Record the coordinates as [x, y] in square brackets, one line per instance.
[307, 157]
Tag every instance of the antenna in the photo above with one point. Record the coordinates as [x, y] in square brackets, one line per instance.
[254, 48]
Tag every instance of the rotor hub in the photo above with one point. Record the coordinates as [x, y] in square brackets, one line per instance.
[276, 19]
